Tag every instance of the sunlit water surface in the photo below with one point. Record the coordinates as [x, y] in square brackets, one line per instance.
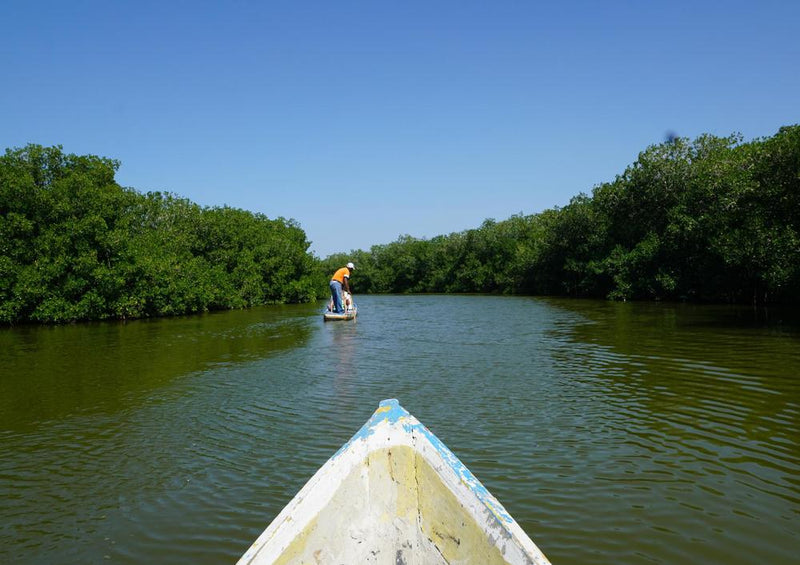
[613, 433]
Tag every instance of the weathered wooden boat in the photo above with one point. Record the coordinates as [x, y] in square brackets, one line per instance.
[349, 314]
[394, 493]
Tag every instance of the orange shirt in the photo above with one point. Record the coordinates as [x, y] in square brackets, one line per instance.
[341, 274]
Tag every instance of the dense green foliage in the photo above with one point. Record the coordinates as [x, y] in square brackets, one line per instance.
[714, 219]
[74, 245]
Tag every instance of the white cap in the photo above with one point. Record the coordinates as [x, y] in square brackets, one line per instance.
[351, 266]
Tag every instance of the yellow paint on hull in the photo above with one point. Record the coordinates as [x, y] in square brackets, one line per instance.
[392, 509]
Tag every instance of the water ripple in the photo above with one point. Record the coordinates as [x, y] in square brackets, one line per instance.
[613, 435]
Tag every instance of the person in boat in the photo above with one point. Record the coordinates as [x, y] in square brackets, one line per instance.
[340, 280]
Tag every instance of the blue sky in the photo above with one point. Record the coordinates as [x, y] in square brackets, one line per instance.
[368, 120]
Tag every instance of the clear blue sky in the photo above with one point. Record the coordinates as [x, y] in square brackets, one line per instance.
[367, 120]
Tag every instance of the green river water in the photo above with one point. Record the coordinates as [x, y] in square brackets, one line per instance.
[614, 433]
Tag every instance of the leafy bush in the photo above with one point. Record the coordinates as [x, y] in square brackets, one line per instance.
[714, 219]
[74, 245]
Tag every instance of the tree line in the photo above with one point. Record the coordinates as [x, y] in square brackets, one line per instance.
[75, 245]
[714, 219]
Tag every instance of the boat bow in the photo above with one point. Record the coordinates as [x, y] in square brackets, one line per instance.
[394, 493]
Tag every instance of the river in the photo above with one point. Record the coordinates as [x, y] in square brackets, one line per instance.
[612, 432]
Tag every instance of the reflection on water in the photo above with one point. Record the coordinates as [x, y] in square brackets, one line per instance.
[693, 426]
[614, 433]
[57, 370]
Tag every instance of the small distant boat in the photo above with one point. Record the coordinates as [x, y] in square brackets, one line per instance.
[350, 309]
[349, 314]
[394, 493]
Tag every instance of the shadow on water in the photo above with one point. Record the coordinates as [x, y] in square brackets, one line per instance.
[54, 371]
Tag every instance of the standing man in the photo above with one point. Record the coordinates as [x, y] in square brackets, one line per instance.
[341, 278]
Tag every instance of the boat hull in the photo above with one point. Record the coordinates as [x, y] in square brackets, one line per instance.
[394, 494]
[333, 317]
